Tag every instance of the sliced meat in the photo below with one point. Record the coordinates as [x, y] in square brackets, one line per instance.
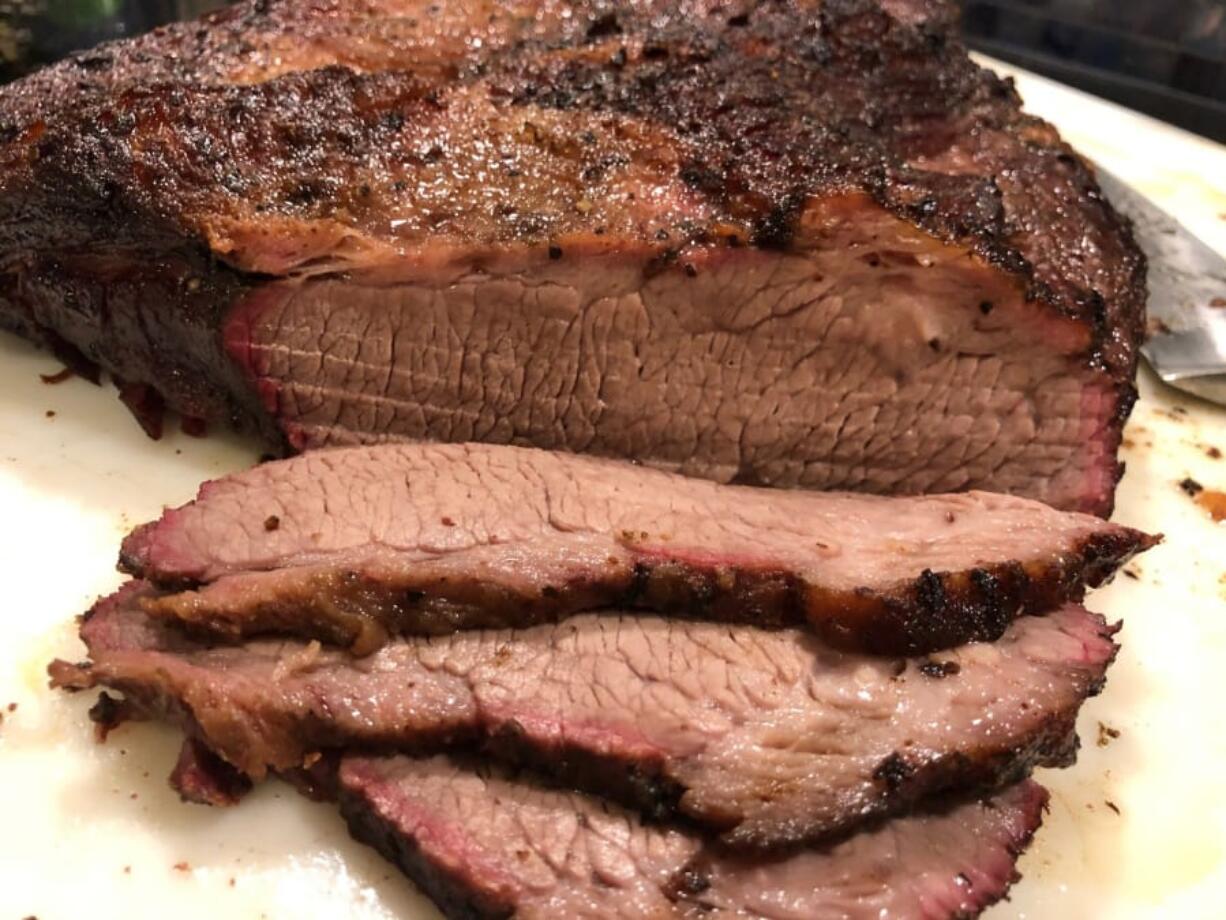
[201, 776]
[798, 244]
[484, 845]
[767, 737]
[349, 546]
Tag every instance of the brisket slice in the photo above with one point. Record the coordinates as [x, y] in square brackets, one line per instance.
[803, 244]
[766, 737]
[350, 545]
[202, 777]
[484, 845]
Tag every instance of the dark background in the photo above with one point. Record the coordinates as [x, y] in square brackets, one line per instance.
[1163, 57]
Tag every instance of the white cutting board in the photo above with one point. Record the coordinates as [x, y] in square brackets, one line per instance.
[94, 830]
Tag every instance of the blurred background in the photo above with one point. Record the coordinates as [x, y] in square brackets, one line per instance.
[35, 32]
[1164, 57]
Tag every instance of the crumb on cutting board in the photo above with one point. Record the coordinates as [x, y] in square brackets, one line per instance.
[1214, 502]
[1106, 734]
[1157, 327]
[1190, 486]
[58, 377]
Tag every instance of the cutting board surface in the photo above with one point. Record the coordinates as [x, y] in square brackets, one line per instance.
[1136, 829]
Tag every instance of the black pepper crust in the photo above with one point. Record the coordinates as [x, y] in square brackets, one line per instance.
[527, 124]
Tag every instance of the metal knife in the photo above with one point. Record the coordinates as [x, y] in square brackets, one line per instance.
[1187, 296]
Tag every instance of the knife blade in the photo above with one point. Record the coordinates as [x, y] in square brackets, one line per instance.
[1187, 296]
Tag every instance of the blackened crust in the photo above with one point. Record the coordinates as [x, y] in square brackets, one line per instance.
[941, 610]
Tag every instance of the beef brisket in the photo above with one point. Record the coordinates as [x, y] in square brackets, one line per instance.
[350, 545]
[766, 737]
[799, 244]
[201, 776]
[485, 845]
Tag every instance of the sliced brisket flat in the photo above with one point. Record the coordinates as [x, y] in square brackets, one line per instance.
[484, 845]
[764, 736]
[350, 545]
[800, 244]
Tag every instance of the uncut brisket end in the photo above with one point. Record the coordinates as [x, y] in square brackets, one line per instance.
[483, 844]
[765, 737]
[798, 244]
[351, 545]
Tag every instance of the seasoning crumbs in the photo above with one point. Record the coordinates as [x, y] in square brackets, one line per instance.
[1106, 734]
[1190, 486]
